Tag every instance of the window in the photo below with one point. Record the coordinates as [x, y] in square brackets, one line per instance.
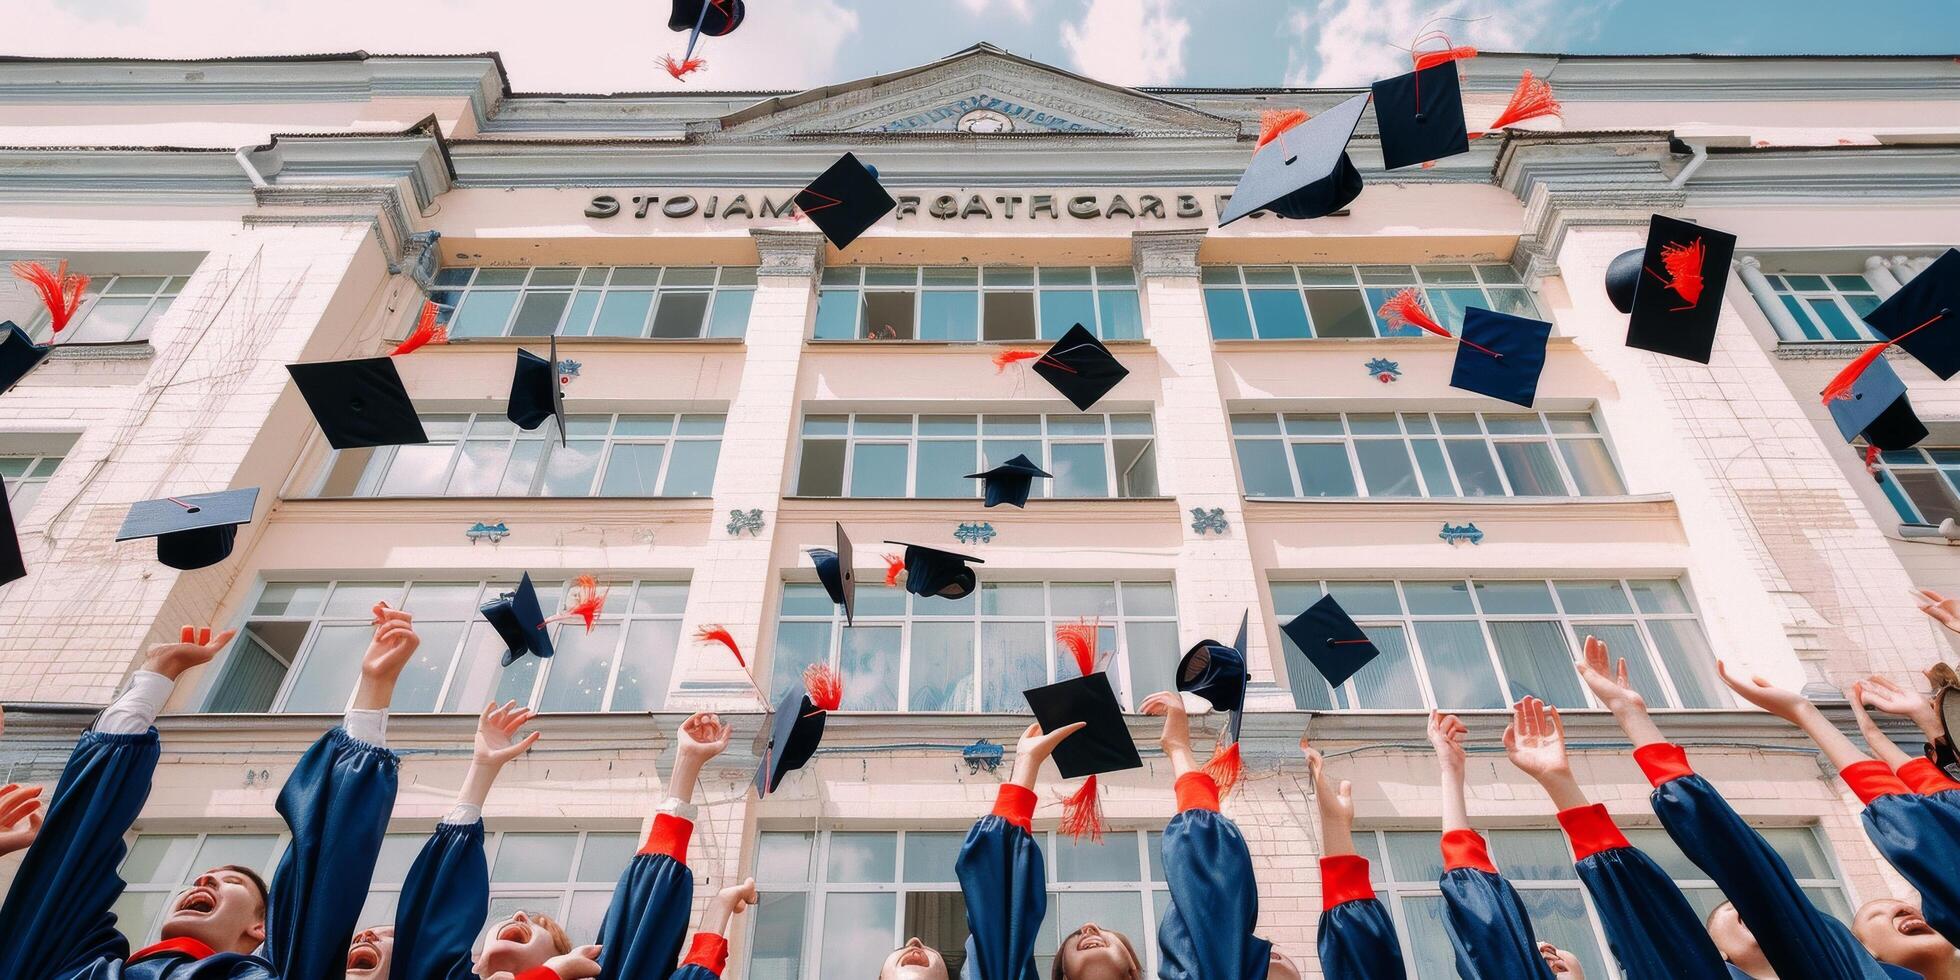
[1485, 643]
[596, 301]
[115, 309]
[836, 903]
[931, 455]
[1827, 307]
[300, 649]
[160, 866]
[1419, 454]
[486, 455]
[25, 475]
[908, 653]
[1284, 302]
[1539, 864]
[1920, 483]
[969, 304]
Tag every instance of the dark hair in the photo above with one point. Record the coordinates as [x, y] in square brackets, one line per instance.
[1056, 972]
[265, 894]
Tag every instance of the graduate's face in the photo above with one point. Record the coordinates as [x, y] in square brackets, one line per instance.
[913, 961]
[1095, 953]
[371, 954]
[1896, 933]
[522, 942]
[1280, 966]
[1561, 962]
[223, 909]
[1737, 943]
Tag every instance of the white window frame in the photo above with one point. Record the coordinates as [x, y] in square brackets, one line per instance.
[1368, 280]
[36, 470]
[1436, 433]
[160, 297]
[1919, 459]
[455, 285]
[1837, 290]
[374, 473]
[1032, 280]
[1048, 439]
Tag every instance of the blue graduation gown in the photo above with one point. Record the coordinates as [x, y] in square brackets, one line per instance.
[336, 804]
[1005, 884]
[1356, 939]
[1489, 930]
[1919, 835]
[1652, 930]
[444, 904]
[1206, 931]
[647, 921]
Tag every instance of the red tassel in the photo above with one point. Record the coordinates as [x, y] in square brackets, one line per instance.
[1532, 99]
[1871, 461]
[1274, 122]
[1080, 641]
[1405, 309]
[720, 634]
[1082, 814]
[684, 67]
[1840, 386]
[1683, 264]
[60, 292]
[824, 685]
[1007, 357]
[1430, 59]
[1225, 768]
[426, 332]
[589, 602]
[894, 567]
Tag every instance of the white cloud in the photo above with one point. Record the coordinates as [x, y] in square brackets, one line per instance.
[1021, 9]
[1354, 42]
[598, 46]
[1128, 42]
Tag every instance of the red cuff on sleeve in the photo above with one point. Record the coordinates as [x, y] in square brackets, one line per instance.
[1925, 777]
[1872, 779]
[1466, 849]
[540, 973]
[669, 836]
[1015, 804]
[1591, 830]
[1344, 879]
[709, 952]
[1662, 762]
[1196, 790]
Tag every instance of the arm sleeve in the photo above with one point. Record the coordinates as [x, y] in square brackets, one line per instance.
[647, 920]
[1005, 884]
[443, 905]
[336, 804]
[1357, 936]
[1796, 938]
[1207, 928]
[706, 958]
[137, 708]
[56, 915]
[1653, 931]
[1919, 835]
[1489, 930]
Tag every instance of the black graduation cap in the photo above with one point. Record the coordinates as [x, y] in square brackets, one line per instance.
[1331, 640]
[1104, 744]
[19, 354]
[359, 403]
[1010, 482]
[519, 619]
[844, 201]
[1500, 355]
[1877, 408]
[1677, 297]
[1218, 673]
[1420, 116]
[1080, 367]
[192, 531]
[1303, 172]
[795, 731]
[835, 570]
[932, 572]
[12, 564]
[1924, 316]
[711, 17]
[1623, 277]
[536, 393]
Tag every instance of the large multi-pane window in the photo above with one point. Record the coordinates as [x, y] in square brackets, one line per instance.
[1827, 307]
[486, 455]
[1539, 863]
[300, 649]
[114, 310]
[1485, 643]
[965, 303]
[836, 903]
[674, 303]
[1285, 302]
[1090, 455]
[25, 475]
[1921, 483]
[1423, 454]
[914, 653]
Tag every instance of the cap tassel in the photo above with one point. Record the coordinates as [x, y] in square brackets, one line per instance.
[894, 567]
[824, 685]
[1273, 123]
[1405, 309]
[1079, 639]
[1225, 767]
[714, 633]
[1841, 385]
[60, 292]
[682, 67]
[1532, 99]
[588, 605]
[426, 332]
[1683, 263]
[1430, 59]
[1082, 814]
[1871, 461]
[1007, 357]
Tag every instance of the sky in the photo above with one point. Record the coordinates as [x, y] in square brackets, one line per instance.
[616, 45]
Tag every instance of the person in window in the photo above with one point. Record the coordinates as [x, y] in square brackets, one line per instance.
[20, 811]
[1779, 925]
[1206, 930]
[1357, 936]
[228, 924]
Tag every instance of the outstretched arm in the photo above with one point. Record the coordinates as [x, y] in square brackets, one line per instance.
[1356, 937]
[1489, 929]
[1446, 734]
[20, 811]
[1002, 876]
[1881, 744]
[708, 955]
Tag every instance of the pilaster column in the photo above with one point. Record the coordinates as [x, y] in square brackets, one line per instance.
[1880, 276]
[1902, 269]
[1750, 269]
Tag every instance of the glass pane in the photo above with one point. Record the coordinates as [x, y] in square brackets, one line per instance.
[942, 667]
[539, 314]
[1122, 319]
[417, 470]
[731, 313]
[949, 315]
[782, 857]
[1339, 313]
[798, 645]
[1262, 465]
[1389, 681]
[776, 946]
[1153, 654]
[110, 321]
[1115, 859]
[691, 473]
[1475, 473]
[1690, 663]
[1414, 857]
[1558, 916]
[569, 468]
[1592, 467]
[837, 313]
[1832, 316]
[680, 315]
[1460, 669]
[1538, 660]
[1531, 469]
[1800, 849]
[1083, 599]
[646, 665]
[479, 469]
[1386, 468]
[633, 470]
[330, 668]
[862, 857]
[578, 675]
[422, 678]
[1081, 469]
[879, 469]
[1064, 308]
[859, 932]
[289, 599]
[1930, 493]
[1532, 855]
[1012, 599]
[1435, 472]
[1516, 302]
[1009, 316]
[1514, 598]
[1623, 642]
[869, 663]
[1278, 313]
[1324, 469]
[1427, 937]
[821, 472]
[159, 859]
[943, 466]
[1586, 598]
[1226, 310]
[1015, 658]
[624, 314]
[1660, 596]
[930, 856]
[1367, 598]
[888, 315]
[1149, 599]
[532, 858]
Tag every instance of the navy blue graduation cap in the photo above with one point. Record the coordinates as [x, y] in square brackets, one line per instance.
[12, 564]
[845, 201]
[1420, 116]
[834, 569]
[1218, 673]
[1677, 296]
[19, 355]
[536, 392]
[795, 730]
[1875, 406]
[1080, 367]
[1500, 355]
[932, 572]
[1302, 171]
[1924, 316]
[359, 403]
[1623, 277]
[519, 620]
[192, 531]
[1010, 482]
[1104, 744]
[1331, 641]
[714, 18]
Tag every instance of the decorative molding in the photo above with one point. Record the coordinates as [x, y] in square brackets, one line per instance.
[421, 256]
[1212, 520]
[789, 253]
[745, 520]
[482, 531]
[975, 533]
[1166, 253]
[1452, 534]
[1384, 370]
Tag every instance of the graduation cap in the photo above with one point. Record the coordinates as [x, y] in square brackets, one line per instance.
[192, 531]
[1924, 316]
[1301, 167]
[1420, 116]
[536, 393]
[796, 727]
[844, 201]
[835, 571]
[1010, 482]
[19, 355]
[1102, 745]
[359, 403]
[932, 572]
[1331, 641]
[1080, 367]
[714, 18]
[1218, 673]
[12, 564]
[1875, 406]
[1677, 293]
[1500, 355]
[519, 619]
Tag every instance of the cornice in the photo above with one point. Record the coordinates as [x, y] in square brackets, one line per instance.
[1100, 510]
[1647, 507]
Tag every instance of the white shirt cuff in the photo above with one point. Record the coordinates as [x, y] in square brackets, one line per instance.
[136, 710]
[370, 725]
[463, 814]
[675, 806]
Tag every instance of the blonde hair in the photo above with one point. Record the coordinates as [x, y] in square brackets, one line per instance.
[559, 941]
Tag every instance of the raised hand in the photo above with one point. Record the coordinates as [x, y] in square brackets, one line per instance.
[1941, 609]
[1446, 734]
[194, 648]
[496, 734]
[1535, 742]
[1335, 802]
[1881, 744]
[394, 643]
[1608, 680]
[20, 817]
[702, 737]
[1890, 697]
[1035, 747]
[577, 964]
[1787, 705]
[1176, 739]
[728, 903]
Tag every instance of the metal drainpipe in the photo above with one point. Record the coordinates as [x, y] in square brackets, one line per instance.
[251, 172]
[1700, 157]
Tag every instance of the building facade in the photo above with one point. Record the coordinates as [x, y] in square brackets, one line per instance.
[739, 387]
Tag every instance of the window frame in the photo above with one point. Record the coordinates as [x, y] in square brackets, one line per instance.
[857, 278]
[1114, 478]
[1348, 438]
[1364, 279]
[37, 470]
[1918, 459]
[158, 302]
[1799, 301]
[455, 285]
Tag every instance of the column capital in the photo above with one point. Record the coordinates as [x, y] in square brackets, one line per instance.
[1750, 262]
[1166, 253]
[789, 252]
